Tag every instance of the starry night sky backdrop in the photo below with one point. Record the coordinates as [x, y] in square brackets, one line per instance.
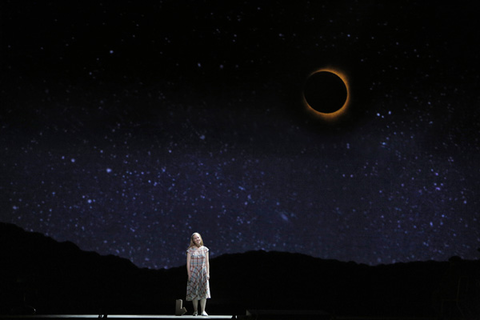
[128, 125]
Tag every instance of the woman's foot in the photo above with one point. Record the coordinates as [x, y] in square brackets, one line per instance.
[195, 313]
[204, 314]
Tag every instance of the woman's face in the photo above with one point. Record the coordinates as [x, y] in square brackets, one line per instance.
[197, 239]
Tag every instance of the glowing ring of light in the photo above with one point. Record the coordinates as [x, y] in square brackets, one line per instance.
[340, 112]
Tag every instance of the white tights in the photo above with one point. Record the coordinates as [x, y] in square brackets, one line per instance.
[203, 303]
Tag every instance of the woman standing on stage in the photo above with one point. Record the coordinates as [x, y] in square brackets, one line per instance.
[198, 269]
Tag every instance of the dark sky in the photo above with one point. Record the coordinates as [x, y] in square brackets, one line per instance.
[128, 125]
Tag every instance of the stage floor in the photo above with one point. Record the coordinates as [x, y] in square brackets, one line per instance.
[113, 316]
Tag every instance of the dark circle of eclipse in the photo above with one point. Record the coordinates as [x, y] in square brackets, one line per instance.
[325, 92]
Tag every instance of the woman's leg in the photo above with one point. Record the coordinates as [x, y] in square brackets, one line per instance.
[203, 304]
[195, 306]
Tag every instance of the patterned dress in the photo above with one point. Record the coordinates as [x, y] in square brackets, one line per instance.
[198, 287]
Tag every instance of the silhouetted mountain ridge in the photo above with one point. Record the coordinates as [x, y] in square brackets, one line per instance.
[60, 278]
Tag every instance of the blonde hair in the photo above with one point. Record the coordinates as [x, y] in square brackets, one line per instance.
[192, 244]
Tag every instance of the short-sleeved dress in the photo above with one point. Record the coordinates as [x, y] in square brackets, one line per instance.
[198, 287]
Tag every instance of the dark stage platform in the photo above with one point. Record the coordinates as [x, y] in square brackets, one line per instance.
[250, 314]
[114, 316]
